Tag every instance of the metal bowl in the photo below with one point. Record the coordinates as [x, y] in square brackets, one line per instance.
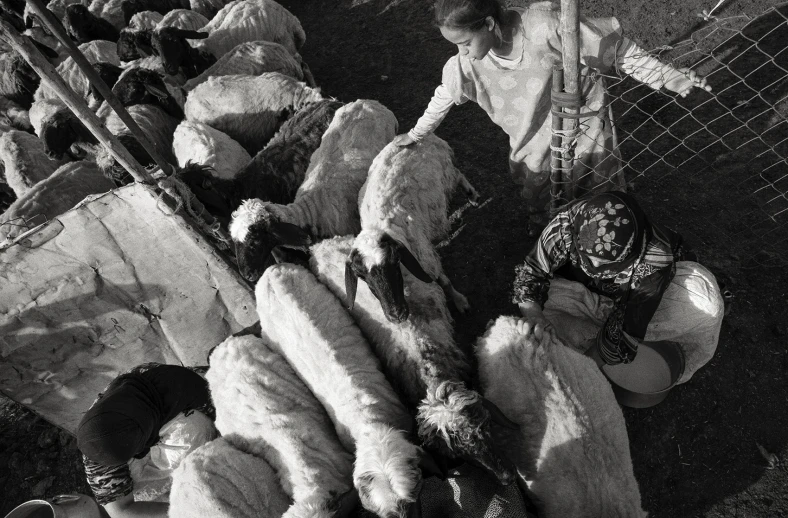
[647, 381]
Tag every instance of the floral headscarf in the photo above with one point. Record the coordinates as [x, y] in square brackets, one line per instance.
[610, 226]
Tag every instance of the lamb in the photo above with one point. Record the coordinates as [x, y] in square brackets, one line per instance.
[25, 161]
[83, 26]
[260, 398]
[221, 479]
[326, 204]
[53, 196]
[423, 363]
[304, 322]
[253, 58]
[572, 449]
[18, 81]
[247, 108]
[97, 51]
[403, 209]
[144, 86]
[201, 144]
[155, 123]
[275, 173]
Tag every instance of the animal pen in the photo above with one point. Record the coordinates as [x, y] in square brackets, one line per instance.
[661, 137]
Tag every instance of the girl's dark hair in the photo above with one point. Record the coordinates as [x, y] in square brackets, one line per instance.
[466, 14]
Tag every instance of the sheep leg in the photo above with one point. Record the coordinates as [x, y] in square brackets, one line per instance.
[470, 191]
[460, 302]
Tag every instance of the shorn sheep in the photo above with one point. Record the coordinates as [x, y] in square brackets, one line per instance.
[403, 208]
[59, 128]
[259, 397]
[25, 161]
[201, 144]
[423, 363]
[53, 196]
[95, 52]
[327, 203]
[83, 26]
[307, 324]
[571, 450]
[275, 173]
[145, 86]
[221, 479]
[248, 108]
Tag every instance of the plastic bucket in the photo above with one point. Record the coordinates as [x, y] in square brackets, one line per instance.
[61, 506]
[647, 381]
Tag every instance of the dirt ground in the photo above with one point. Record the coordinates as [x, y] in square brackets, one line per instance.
[701, 453]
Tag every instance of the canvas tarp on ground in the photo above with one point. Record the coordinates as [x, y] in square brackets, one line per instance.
[115, 282]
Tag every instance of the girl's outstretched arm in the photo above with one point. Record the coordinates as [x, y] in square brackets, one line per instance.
[436, 111]
[651, 71]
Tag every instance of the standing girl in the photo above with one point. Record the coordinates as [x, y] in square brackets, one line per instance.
[505, 64]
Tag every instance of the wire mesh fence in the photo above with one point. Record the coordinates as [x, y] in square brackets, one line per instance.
[726, 149]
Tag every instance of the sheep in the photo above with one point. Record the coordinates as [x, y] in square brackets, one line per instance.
[109, 73]
[13, 115]
[18, 81]
[129, 8]
[199, 143]
[174, 83]
[571, 450]
[207, 8]
[326, 203]
[56, 7]
[83, 26]
[134, 43]
[252, 58]
[302, 320]
[403, 208]
[50, 197]
[423, 363]
[154, 122]
[169, 43]
[260, 398]
[247, 108]
[183, 19]
[221, 479]
[275, 173]
[25, 161]
[143, 20]
[144, 86]
[97, 51]
[109, 10]
[59, 129]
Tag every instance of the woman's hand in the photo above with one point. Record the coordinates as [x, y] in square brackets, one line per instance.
[683, 80]
[533, 320]
[403, 140]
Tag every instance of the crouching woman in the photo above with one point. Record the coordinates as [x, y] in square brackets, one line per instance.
[138, 431]
[608, 279]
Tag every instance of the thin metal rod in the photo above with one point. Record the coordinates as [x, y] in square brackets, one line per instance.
[51, 78]
[56, 28]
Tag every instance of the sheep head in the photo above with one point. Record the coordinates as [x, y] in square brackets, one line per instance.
[143, 86]
[83, 26]
[207, 187]
[134, 44]
[60, 131]
[456, 421]
[256, 229]
[170, 44]
[376, 258]
[109, 73]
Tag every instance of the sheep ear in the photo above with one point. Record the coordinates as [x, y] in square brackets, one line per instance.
[498, 416]
[412, 264]
[190, 35]
[351, 284]
[158, 92]
[289, 234]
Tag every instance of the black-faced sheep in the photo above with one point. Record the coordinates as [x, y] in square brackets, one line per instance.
[14, 115]
[97, 51]
[423, 363]
[83, 26]
[169, 43]
[25, 161]
[183, 19]
[571, 449]
[199, 143]
[134, 43]
[109, 73]
[18, 81]
[306, 323]
[143, 20]
[131, 7]
[275, 173]
[59, 129]
[144, 86]
[248, 108]
[326, 204]
[258, 396]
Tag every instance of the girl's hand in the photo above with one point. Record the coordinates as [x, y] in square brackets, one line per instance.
[403, 140]
[533, 320]
[684, 79]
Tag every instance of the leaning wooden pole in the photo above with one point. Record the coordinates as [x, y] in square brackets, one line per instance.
[556, 174]
[570, 51]
[57, 29]
[51, 78]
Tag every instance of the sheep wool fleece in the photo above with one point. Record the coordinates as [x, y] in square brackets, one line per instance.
[572, 448]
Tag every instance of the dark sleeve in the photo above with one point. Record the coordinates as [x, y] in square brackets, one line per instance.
[532, 278]
[108, 483]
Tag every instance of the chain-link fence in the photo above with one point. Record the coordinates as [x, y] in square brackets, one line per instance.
[724, 151]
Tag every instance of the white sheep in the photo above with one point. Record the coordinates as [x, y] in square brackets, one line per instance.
[53, 196]
[247, 108]
[422, 361]
[145, 20]
[326, 204]
[571, 449]
[94, 51]
[222, 479]
[25, 161]
[403, 207]
[307, 324]
[201, 144]
[252, 58]
[183, 19]
[259, 397]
